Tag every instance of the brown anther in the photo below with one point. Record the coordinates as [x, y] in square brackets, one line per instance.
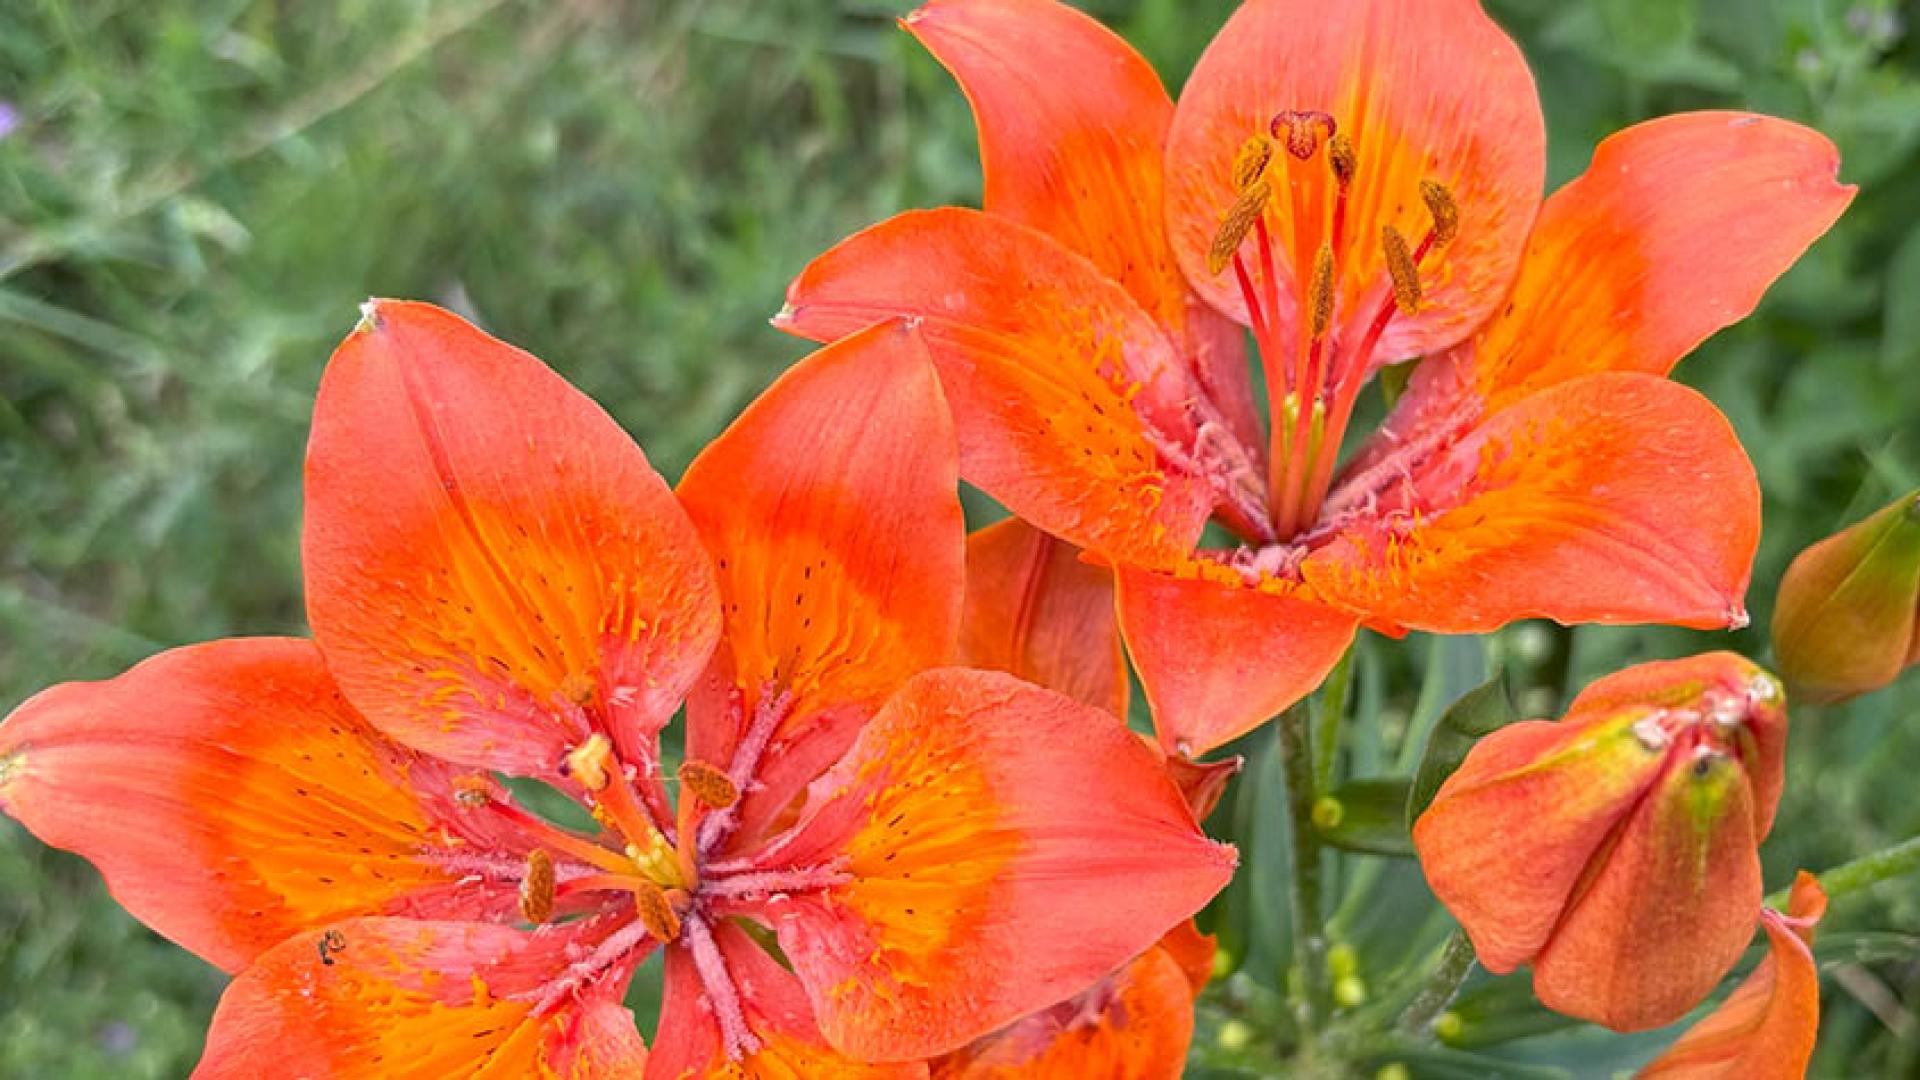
[655, 911]
[1406, 279]
[1238, 222]
[1302, 130]
[1341, 157]
[472, 792]
[536, 888]
[1320, 294]
[587, 762]
[1445, 212]
[1251, 163]
[711, 786]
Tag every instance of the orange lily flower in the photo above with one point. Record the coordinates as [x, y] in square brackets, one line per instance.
[499, 582]
[1357, 184]
[1617, 849]
[1765, 1030]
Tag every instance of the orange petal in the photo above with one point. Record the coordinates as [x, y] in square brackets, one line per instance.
[774, 1012]
[833, 512]
[1612, 498]
[1669, 909]
[1426, 90]
[1676, 230]
[1193, 951]
[1036, 610]
[231, 798]
[1063, 389]
[400, 997]
[1765, 1029]
[980, 824]
[1219, 660]
[1133, 1025]
[1080, 159]
[493, 569]
[1512, 832]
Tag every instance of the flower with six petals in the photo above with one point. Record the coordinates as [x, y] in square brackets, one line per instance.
[1356, 184]
[500, 584]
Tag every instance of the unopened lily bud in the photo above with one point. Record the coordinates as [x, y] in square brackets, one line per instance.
[1617, 850]
[1844, 623]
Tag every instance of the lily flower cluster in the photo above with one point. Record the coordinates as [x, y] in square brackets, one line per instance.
[902, 829]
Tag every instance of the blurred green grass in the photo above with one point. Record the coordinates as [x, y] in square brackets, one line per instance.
[199, 192]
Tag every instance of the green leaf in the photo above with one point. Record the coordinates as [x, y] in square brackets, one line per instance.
[1479, 713]
[1366, 815]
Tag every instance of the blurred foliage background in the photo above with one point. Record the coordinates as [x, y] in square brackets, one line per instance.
[195, 194]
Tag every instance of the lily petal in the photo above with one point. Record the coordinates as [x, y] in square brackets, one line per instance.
[1682, 884]
[1765, 1030]
[493, 569]
[774, 1013]
[1063, 390]
[1080, 159]
[1037, 610]
[231, 798]
[1135, 1024]
[832, 509]
[404, 998]
[1540, 795]
[1426, 90]
[1611, 498]
[979, 825]
[1676, 230]
[1219, 660]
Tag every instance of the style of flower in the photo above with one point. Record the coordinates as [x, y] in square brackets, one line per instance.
[499, 583]
[1356, 183]
[1765, 1029]
[1616, 850]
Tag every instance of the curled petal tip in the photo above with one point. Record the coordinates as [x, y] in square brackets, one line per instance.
[1737, 617]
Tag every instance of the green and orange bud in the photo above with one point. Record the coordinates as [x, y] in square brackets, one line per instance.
[1616, 849]
[1844, 623]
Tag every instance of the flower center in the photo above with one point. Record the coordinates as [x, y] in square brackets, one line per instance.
[1315, 356]
[652, 854]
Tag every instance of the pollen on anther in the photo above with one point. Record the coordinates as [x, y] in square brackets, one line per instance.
[1251, 164]
[1444, 211]
[1321, 293]
[1237, 223]
[536, 888]
[1406, 279]
[711, 786]
[655, 912]
[1343, 160]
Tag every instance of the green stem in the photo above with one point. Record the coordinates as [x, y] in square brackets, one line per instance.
[1901, 858]
[1309, 936]
[1456, 963]
[1326, 730]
